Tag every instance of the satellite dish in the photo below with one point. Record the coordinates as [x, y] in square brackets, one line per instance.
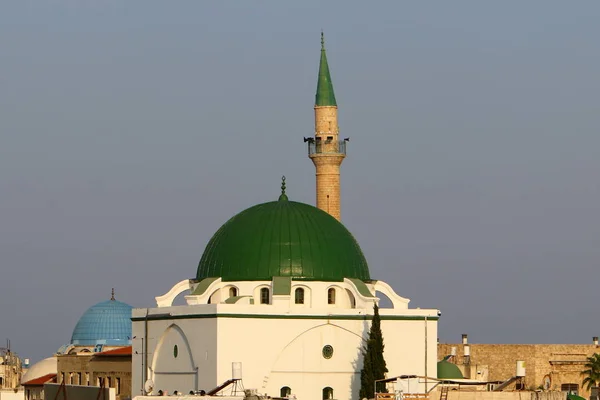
[547, 382]
[149, 386]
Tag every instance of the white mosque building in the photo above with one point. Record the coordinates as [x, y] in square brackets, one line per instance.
[282, 298]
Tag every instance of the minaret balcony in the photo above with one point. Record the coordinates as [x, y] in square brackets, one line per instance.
[326, 146]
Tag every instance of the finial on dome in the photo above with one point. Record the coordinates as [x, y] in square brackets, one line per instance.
[112, 294]
[283, 196]
[322, 40]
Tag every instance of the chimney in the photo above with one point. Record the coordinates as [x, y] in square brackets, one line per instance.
[464, 338]
[595, 340]
[467, 355]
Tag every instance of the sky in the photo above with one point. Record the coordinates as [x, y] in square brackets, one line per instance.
[131, 131]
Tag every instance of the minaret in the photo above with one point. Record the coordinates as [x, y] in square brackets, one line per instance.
[326, 150]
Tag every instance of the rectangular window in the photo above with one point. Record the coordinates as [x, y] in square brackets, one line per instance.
[79, 382]
[569, 388]
[118, 385]
[264, 296]
[87, 378]
[299, 296]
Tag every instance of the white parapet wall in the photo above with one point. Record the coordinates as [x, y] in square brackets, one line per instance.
[188, 397]
[12, 395]
[513, 395]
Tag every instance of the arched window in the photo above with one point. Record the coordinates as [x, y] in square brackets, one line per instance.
[232, 292]
[264, 296]
[327, 393]
[299, 296]
[331, 296]
[285, 391]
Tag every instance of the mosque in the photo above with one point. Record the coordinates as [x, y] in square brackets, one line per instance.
[282, 298]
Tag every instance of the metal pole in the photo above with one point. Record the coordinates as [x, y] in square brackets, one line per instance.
[145, 348]
[142, 388]
[425, 353]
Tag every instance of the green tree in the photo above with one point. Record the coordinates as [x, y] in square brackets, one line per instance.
[592, 372]
[374, 366]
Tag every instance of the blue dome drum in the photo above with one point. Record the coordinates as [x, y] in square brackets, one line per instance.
[108, 322]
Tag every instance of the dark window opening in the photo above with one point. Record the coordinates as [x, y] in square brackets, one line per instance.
[264, 296]
[331, 296]
[285, 391]
[570, 388]
[299, 296]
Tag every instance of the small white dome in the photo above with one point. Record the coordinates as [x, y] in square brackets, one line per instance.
[41, 368]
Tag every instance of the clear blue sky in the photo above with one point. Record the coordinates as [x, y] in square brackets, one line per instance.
[130, 131]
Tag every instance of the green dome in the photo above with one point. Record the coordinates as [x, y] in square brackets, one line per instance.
[447, 370]
[283, 238]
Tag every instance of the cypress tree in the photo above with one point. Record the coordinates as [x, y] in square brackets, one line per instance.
[374, 366]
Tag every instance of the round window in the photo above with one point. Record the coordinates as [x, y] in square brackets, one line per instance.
[327, 351]
[175, 351]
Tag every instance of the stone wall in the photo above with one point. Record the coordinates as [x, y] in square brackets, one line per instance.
[560, 363]
[328, 182]
[92, 370]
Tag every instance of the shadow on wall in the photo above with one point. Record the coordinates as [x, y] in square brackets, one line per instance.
[355, 382]
[358, 362]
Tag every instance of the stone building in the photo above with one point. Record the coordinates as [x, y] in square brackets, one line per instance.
[110, 368]
[555, 367]
[11, 369]
[98, 354]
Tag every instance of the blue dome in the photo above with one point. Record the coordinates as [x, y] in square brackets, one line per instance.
[108, 322]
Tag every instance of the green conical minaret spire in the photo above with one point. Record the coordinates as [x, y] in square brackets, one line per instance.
[325, 95]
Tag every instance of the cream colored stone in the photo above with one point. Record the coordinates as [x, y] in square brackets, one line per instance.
[327, 163]
[326, 122]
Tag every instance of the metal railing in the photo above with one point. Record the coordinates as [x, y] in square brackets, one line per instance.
[326, 147]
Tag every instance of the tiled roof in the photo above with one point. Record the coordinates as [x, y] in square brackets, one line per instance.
[40, 381]
[121, 351]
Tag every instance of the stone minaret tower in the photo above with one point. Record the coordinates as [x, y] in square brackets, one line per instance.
[326, 150]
